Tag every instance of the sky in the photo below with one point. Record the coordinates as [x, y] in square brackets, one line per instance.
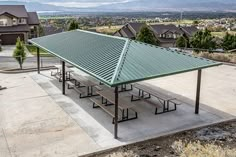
[77, 3]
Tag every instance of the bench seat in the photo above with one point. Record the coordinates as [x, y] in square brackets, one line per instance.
[98, 103]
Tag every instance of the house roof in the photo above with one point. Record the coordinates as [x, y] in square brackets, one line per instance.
[49, 30]
[161, 28]
[33, 18]
[190, 30]
[127, 32]
[15, 10]
[136, 26]
[18, 28]
[116, 60]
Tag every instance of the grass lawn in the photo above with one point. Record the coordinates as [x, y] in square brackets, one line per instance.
[33, 50]
[222, 34]
[107, 29]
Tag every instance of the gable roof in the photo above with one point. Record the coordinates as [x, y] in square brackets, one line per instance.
[136, 26]
[7, 14]
[161, 28]
[15, 10]
[189, 30]
[33, 18]
[126, 31]
[116, 60]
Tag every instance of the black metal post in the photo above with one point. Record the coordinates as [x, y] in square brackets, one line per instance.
[116, 113]
[198, 91]
[38, 60]
[63, 78]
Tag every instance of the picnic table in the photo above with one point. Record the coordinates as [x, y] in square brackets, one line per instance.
[108, 98]
[58, 74]
[165, 100]
[82, 82]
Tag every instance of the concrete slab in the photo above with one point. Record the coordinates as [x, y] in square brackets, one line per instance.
[56, 137]
[4, 151]
[218, 88]
[39, 121]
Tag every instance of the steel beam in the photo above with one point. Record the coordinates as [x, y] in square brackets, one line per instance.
[198, 91]
[116, 113]
[38, 60]
[63, 78]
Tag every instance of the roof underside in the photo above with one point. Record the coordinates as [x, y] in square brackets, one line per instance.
[115, 60]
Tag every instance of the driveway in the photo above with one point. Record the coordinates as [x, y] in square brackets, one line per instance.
[7, 51]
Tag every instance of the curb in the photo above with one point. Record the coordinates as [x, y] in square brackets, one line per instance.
[99, 152]
[18, 71]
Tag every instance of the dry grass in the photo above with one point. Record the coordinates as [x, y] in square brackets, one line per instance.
[222, 57]
[196, 149]
[122, 154]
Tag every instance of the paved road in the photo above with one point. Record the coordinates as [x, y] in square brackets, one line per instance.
[30, 62]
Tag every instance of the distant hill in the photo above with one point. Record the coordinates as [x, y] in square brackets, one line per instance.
[140, 5]
[34, 6]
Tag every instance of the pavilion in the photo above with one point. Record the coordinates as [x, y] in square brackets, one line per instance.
[115, 61]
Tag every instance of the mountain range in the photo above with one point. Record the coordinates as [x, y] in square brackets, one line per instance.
[137, 5]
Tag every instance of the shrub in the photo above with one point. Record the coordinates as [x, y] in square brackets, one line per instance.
[19, 53]
[196, 149]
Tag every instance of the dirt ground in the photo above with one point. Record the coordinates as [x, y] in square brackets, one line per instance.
[223, 134]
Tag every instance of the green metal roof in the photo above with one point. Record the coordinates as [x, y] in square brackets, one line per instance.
[116, 60]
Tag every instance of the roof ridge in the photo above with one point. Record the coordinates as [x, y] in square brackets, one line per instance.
[105, 35]
[121, 61]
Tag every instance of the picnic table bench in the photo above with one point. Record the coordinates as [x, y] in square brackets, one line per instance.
[82, 85]
[107, 109]
[108, 96]
[145, 93]
[58, 73]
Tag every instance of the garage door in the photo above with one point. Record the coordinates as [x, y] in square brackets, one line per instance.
[10, 39]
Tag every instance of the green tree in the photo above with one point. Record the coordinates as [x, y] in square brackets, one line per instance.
[19, 52]
[73, 25]
[196, 22]
[182, 42]
[41, 31]
[203, 40]
[146, 35]
[229, 42]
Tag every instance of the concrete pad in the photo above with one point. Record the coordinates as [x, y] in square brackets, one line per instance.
[51, 124]
[4, 151]
[218, 88]
[56, 137]
[20, 87]
[37, 109]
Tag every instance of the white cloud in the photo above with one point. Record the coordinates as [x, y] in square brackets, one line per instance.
[85, 4]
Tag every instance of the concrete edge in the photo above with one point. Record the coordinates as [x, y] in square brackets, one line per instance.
[156, 137]
[230, 64]
[17, 71]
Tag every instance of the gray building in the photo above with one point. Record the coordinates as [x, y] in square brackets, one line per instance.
[16, 22]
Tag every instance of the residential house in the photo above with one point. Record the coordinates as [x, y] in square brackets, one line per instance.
[165, 34]
[16, 22]
[130, 30]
